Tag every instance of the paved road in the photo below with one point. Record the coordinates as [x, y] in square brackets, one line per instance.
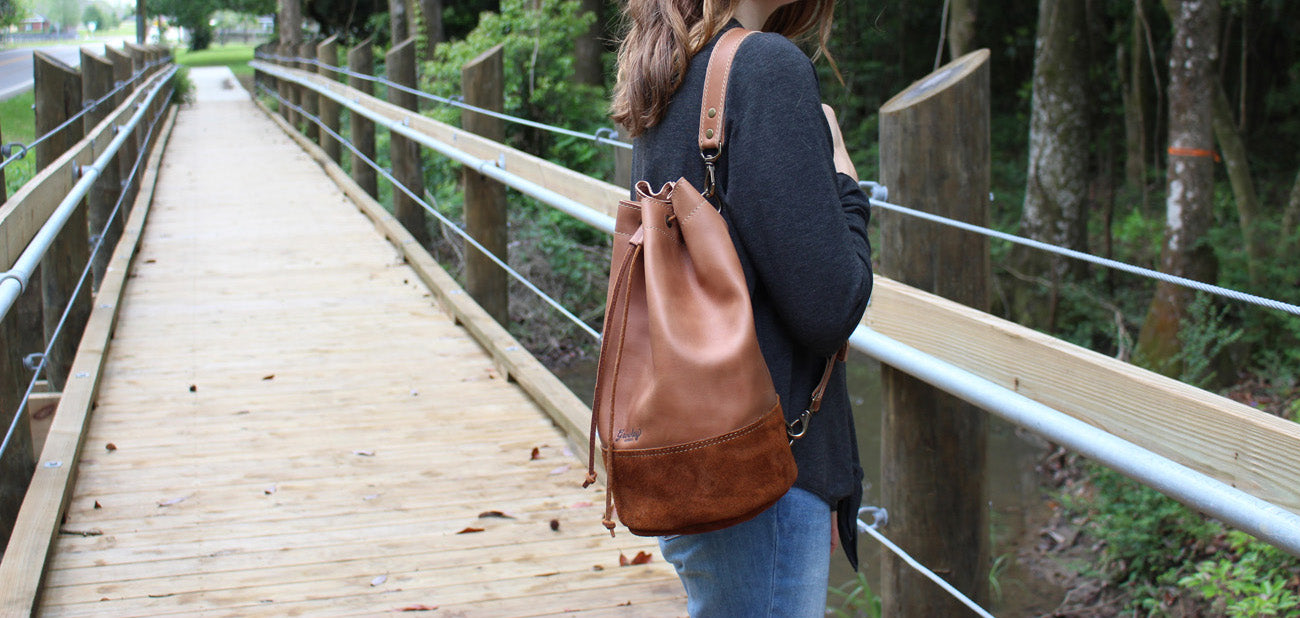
[16, 64]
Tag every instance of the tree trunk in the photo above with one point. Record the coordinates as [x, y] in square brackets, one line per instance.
[1190, 179]
[431, 11]
[1233, 150]
[1136, 100]
[587, 68]
[1056, 189]
[399, 16]
[961, 26]
[290, 22]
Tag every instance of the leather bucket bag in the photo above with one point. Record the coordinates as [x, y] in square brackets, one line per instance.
[691, 429]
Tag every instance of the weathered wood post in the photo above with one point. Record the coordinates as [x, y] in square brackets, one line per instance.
[934, 157]
[58, 98]
[308, 97]
[122, 67]
[481, 81]
[405, 153]
[361, 60]
[97, 82]
[138, 64]
[327, 53]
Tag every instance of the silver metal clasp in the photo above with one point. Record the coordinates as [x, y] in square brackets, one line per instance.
[710, 182]
[798, 427]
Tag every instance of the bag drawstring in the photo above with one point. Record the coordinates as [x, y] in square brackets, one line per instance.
[622, 290]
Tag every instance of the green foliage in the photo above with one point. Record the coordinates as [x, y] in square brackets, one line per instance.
[538, 84]
[194, 15]
[184, 86]
[854, 599]
[19, 125]
[1205, 333]
[11, 11]
[1155, 548]
[235, 56]
[1250, 579]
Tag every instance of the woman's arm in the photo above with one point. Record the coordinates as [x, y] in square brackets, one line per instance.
[802, 222]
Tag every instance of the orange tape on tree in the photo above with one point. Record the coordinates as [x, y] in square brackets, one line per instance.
[1193, 152]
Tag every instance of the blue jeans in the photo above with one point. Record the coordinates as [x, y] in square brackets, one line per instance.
[776, 564]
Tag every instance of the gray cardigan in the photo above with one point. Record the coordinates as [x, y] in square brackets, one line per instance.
[800, 229]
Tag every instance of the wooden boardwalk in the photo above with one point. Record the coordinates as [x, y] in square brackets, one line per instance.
[288, 424]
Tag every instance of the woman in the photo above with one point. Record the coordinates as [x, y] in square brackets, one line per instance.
[799, 222]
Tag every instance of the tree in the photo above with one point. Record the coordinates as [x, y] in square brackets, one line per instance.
[193, 15]
[10, 12]
[1059, 145]
[1190, 179]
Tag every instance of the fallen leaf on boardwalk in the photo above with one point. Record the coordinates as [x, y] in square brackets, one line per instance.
[110, 447]
[270, 490]
[194, 388]
[625, 604]
[555, 525]
[641, 558]
[269, 377]
[378, 580]
[552, 573]
[469, 530]
[580, 505]
[560, 470]
[496, 514]
[537, 454]
[105, 599]
[364, 453]
[173, 501]
[418, 608]
[597, 567]
[98, 505]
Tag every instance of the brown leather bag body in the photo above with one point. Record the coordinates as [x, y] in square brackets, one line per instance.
[692, 434]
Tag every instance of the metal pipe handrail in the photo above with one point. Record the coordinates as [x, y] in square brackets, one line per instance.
[14, 281]
[485, 167]
[1234, 506]
[98, 245]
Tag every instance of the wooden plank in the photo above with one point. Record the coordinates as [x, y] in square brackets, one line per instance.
[24, 560]
[1243, 447]
[567, 411]
[599, 195]
[336, 519]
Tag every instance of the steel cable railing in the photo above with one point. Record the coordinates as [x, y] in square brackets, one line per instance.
[610, 136]
[876, 189]
[86, 108]
[98, 245]
[442, 218]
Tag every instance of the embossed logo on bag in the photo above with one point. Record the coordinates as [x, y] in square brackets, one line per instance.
[628, 435]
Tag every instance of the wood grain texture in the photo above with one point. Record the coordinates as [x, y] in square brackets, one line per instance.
[342, 428]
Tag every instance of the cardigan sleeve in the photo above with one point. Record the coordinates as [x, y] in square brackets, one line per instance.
[803, 224]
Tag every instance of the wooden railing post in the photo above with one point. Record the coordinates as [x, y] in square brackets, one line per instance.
[138, 63]
[361, 60]
[485, 199]
[405, 153]
[307, 51]
[122, 67]
[58, 98]
[97, 82]
[284, 86]
[327, 53]
[934, 157]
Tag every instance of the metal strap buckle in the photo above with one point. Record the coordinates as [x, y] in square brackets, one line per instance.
[710, 182]
[798, 427]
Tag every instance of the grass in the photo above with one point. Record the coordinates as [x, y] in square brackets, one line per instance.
[234, 55]
[18, 124]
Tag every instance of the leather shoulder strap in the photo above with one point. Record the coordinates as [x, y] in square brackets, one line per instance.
[715, 89]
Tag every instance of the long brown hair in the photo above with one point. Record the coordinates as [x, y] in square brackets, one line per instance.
[663, 35]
